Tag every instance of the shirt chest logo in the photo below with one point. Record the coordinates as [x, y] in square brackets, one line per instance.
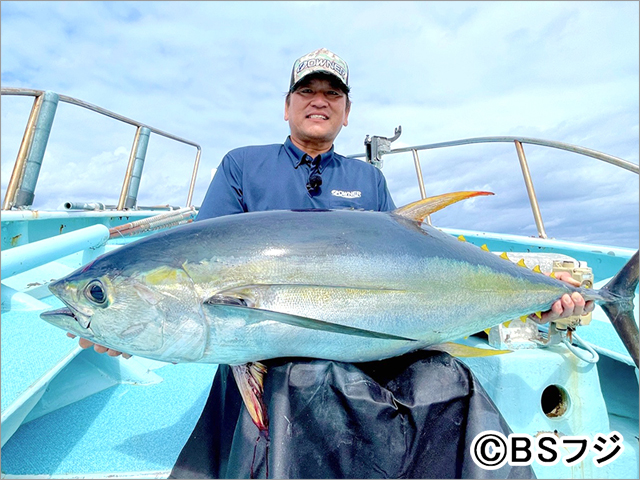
[346, 194]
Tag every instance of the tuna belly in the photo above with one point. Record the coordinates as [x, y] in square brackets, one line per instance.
[235, 341]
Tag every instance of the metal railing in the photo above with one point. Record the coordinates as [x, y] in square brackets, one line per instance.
[518, 141]
[21, 187]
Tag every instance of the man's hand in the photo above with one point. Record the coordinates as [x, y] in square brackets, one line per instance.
[568, 305]
[84, 343]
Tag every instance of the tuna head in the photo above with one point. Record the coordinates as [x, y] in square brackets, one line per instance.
[153, 313]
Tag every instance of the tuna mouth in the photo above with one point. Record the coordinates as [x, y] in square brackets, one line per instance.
[60, 311]
[67, 313]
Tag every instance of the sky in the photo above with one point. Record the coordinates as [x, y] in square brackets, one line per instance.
[216, 73]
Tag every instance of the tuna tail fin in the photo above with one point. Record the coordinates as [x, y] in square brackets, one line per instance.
[620, 311]
[419, 210]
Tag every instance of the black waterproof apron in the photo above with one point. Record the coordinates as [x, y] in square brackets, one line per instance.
[412, 416]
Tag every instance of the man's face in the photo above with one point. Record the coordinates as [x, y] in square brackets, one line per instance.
[316, 112]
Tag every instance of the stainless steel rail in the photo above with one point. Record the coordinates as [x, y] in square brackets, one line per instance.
[17, 175]
[518, 141]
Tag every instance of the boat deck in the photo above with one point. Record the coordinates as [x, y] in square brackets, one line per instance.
[141, 428]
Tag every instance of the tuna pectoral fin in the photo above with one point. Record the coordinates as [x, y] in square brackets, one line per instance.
[250, 380]
[459, 350]
[419, 210]
[256, 315]
[620, 309]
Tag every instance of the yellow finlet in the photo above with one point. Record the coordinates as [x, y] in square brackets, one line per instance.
[461, 238]
[465, 351]
[524, 318]
[486, 330]
[507, 323]
[419, 210]
[504, 256]
[484, 247]
[521, 263]
[537, 269]
[552, 275]
[539, 315]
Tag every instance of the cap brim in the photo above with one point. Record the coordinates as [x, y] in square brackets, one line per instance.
[322, 73]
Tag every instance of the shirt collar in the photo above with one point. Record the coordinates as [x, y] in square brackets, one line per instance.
[299, 157]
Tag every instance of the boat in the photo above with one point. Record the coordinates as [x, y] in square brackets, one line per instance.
[69, 412]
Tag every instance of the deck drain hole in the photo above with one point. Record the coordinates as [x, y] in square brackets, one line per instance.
[554, 401]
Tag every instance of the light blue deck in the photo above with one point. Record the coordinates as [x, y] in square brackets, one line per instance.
[23, 353]
[124, 429]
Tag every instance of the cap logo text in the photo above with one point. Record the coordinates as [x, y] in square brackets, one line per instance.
[320, 62]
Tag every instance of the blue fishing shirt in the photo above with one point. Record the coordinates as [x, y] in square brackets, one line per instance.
[275, 177]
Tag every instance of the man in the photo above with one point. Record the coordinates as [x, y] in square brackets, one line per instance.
[304, 172]
[330, 419]
[409, 416]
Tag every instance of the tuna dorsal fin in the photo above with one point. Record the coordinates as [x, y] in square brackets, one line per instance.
[419, 210]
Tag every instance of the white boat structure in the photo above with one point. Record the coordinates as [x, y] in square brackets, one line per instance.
[73, 413]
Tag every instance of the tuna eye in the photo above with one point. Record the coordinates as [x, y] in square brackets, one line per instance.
[95, 292]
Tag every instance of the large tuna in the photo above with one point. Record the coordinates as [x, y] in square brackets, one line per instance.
[340, 285]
